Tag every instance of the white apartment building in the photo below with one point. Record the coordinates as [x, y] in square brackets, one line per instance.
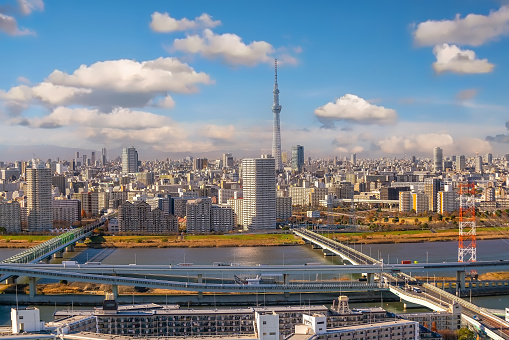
[259, 189]
[39, 199]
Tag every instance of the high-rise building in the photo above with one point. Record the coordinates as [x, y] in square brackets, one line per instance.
[460, 163]
[478, 164]
[103, 157]
[437, 159]
[39, 200]
[259, 186]
[92, 158]
[489, 158]
[353, 158]
[10, 212]
[297, 158]
[59, 181]
[198, 215]
[227, 160]
[431, 189]
[129, 160]
[276, 134]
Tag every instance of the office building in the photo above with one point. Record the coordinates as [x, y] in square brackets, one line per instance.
[129, 160]
[92, 158]
[353, 159]
[297, 158]
[460, 163]
[437, 159]
[227, 160]
[200, 163]
[39, 197]
[59, 181]
[478, 164]
[103, 157]
[276, 132]
[259, 186]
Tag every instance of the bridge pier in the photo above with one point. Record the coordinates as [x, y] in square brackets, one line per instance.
[32, 286]
[371, 278]
[328, 253]
[114, 290]
[70, 247]
[59, 254]
[199, 278]
[460, 281]
[286, 279]
[314, 246]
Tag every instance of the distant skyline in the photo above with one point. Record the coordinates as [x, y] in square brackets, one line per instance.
[372, 78]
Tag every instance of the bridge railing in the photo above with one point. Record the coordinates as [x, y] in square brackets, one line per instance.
[316, 236]
[41, 249]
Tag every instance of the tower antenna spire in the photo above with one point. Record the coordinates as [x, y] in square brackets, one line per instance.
[275, 69]
[276, 135]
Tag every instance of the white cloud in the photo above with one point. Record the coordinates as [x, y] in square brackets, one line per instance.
[166, 103]
[228, 47]
[164, 23]
[414, 143]
[28, 6]
[23, 80]
[450, 58]
[219, 133]
[113, 83]
[9, 25]
[473, 30]
[119, 118]
[353, 109]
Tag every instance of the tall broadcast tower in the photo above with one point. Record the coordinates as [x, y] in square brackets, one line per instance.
[276, 135]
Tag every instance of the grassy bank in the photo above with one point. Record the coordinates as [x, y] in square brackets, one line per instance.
[255, 240]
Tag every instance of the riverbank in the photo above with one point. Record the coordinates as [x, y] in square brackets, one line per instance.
[256, 240]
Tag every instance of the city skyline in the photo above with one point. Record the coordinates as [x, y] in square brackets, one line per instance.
[369, 79]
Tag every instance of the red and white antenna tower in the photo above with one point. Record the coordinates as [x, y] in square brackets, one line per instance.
[467, 250]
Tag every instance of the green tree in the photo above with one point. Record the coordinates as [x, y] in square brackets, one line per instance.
[465, 334]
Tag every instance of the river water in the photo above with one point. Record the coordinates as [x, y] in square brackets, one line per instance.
[285, 255]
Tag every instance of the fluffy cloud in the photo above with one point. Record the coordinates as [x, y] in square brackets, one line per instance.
[414, 143]
[109, 84]
[228, 47]
[28, 6]
[164, 23]
[119, 118]
[9, 25]
[472, 30]
[353, 109]
[450, 58]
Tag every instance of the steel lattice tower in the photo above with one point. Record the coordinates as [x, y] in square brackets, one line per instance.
[276, 134]
[467, 250]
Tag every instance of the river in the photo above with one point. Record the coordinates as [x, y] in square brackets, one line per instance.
[286, 255]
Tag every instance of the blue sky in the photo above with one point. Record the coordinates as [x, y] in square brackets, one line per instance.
[371, 77]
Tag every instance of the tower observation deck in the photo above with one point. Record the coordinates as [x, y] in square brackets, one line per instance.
[276, 135]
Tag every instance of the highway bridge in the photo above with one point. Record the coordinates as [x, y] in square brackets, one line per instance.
[430, 296]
